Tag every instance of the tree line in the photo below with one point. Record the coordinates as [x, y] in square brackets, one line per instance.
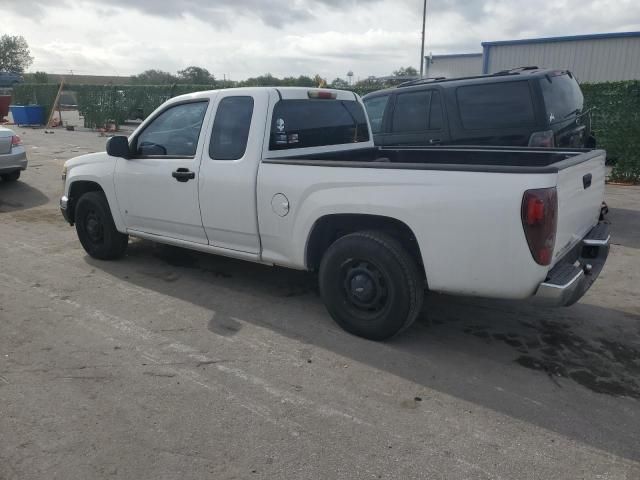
[15, 56]
[201, 76]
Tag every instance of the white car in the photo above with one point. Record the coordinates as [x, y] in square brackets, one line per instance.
[13, 157]
[290, 176]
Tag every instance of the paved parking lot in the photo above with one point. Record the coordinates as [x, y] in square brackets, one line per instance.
[173, 364]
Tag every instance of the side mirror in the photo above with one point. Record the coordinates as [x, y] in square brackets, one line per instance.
[118, 147]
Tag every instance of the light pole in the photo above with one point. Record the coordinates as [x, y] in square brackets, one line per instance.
[424, 21]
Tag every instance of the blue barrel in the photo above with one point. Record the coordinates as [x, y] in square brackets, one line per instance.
[27, 114]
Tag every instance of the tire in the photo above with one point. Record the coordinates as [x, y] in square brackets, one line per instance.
[11, 177]
[96, 229]
[370, 285]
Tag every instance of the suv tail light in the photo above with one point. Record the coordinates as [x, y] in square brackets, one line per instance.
[542, 139]
[539, 220]
[15, 141]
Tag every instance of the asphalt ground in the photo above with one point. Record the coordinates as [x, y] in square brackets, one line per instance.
[174, 364]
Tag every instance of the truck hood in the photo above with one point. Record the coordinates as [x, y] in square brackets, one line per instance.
[99, 157]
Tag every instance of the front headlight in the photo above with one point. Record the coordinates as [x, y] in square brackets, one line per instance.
[64, 173]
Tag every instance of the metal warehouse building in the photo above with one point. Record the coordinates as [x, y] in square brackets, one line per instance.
[593, 58]
[455, 65]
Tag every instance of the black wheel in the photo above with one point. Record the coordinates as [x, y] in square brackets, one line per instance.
[370, 285]
[11, 177]
[95, 227]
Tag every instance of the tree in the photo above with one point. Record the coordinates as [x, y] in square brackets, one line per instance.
[15, 55]
[196, 76]
[406, 72]
[339, 83]
[154, 77]
[40, 77]
[305, 81]
[319, 81]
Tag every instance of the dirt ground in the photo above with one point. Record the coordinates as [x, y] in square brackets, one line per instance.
[173, 364]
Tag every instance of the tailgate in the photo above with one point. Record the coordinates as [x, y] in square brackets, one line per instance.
[580, 195]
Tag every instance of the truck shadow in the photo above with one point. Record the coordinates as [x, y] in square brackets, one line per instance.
[15, 196]
[574, 371]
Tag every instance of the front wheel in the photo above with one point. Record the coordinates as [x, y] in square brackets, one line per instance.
[370, 285]
[11, 177]
[96, 230]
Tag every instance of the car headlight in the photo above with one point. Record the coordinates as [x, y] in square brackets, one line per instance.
[64, 173]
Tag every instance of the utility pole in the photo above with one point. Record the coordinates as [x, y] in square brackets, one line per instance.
[424, 21]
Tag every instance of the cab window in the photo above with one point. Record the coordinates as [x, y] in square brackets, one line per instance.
[175, 132]
[315, 123]
[231, 128]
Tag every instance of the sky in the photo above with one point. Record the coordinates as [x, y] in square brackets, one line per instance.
[238, 39]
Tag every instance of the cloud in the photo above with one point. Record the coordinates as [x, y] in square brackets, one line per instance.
[244, 38]
[274, 13]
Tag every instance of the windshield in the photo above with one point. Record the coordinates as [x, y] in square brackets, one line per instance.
[562, 97]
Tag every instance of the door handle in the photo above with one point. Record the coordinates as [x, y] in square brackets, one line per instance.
[586, 181]
[183, 175]
[435, 141]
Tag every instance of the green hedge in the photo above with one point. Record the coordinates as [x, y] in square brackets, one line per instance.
[616, 123]
[35, 94]
[116, 103]
[615, 111]
[103, 104]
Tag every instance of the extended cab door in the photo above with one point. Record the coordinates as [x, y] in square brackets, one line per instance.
[157, 189]
[416, 119]
[229, 169]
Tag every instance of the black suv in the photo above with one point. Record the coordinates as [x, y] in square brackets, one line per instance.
[526, 106]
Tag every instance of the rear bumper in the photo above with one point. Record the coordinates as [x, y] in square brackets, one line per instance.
[574, 274]
[10, 162]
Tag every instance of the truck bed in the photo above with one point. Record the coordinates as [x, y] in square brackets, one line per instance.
[462, 158]
[463, 205]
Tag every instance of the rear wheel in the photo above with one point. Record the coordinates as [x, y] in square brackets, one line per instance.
[96, 230]
[11, 177]
[370, 285]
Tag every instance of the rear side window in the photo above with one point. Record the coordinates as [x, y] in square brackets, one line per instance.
[315, 123]
[562, 97]
[231, 128]
[375, 109]
[411, 113]
[496, 105]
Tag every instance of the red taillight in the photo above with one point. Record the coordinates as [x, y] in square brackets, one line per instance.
[542, 139]
[535, 211]
[322, 94]
[539, 220]
[15, 141]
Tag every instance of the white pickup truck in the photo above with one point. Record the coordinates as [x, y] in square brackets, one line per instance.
[290, 177]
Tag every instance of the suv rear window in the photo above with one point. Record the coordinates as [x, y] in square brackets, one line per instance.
[496, 105]
[315, 123]
[562, 97]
